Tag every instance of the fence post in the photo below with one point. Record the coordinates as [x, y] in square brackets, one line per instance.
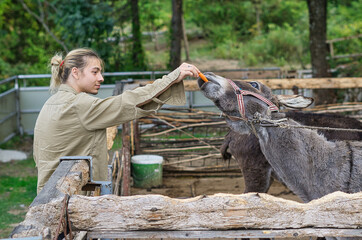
[126, 160]
[17, 104]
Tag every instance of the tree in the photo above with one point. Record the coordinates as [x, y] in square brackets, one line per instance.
[176, 34]
[138, 56]
[154, 21]
[318, 48]
[43, 21]
[25, 45]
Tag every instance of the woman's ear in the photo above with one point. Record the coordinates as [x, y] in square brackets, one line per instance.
[294, 101]
[75, 72]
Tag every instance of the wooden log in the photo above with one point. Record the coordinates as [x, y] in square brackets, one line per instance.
[137, 137]
[193, 159]
[216, 212]
[183, 127]
[111, 135]
[118, 177]
[175, 149]
[201, 174]
[205, 169]
[310, 83]
[184, 120]
[44, 213]
[126, 160]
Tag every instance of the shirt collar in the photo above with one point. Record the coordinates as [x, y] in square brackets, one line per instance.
[67, 88]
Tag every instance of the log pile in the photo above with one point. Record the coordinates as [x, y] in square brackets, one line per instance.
[188, 140]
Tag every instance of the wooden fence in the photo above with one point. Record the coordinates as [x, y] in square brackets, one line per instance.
[155, 216]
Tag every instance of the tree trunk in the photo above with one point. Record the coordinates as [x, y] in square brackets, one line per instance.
[176, 34]
[137, 50]
[257, 6]
[318, 47]
[186, 41]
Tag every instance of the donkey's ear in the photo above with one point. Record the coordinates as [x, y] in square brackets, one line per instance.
[295, 101]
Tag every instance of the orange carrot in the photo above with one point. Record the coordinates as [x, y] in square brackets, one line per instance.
[202, 76]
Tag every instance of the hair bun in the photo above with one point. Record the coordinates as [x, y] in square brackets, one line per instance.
[56, 60]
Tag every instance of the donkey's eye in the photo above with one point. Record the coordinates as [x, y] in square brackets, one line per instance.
[255, 85]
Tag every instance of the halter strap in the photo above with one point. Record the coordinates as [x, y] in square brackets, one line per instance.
[240, 96]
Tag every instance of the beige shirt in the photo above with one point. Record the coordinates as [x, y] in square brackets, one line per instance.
[74, 124]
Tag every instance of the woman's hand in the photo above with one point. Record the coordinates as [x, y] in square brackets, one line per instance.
[187, 70]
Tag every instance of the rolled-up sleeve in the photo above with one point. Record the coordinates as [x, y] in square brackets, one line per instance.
[95, 113]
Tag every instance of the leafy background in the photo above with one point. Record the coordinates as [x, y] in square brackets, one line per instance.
[223, 29]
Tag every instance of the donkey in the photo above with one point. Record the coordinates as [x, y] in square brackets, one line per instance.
[257, 172]
[309, 164]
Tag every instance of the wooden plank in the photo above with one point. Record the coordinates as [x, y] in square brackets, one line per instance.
[310, 83]
[174, 149]
[217, 212]
[285, 233]
[344, 38]
[352, 55]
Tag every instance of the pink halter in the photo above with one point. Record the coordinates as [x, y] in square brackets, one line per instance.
[240, 94]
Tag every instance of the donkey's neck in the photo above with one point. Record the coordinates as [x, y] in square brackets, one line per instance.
[303, 159]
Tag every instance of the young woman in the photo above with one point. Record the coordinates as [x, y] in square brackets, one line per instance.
[73, 123]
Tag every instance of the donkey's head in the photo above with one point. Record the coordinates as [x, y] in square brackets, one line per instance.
[241, 100]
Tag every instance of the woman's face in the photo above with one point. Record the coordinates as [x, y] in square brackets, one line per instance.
[90, 78]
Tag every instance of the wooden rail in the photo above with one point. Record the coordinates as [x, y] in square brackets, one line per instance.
[289, 83]
[331, 48]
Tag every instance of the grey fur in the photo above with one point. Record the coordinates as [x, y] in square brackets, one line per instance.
[257, 172]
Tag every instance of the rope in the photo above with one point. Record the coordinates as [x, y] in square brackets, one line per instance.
[281, 123]
[64, 220]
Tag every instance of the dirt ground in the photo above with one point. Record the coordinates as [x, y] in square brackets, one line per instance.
[185, 187]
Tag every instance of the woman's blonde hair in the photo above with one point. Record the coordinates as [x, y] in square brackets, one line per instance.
[61, 68]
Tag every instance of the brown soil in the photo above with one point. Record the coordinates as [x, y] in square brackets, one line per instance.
[185, 187]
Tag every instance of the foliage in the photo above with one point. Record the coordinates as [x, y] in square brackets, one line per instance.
[23, 43]
[228, 26]
[267, 49]
[345, 20]
[151, 20]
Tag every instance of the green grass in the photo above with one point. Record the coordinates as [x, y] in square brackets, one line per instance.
[17, 190]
